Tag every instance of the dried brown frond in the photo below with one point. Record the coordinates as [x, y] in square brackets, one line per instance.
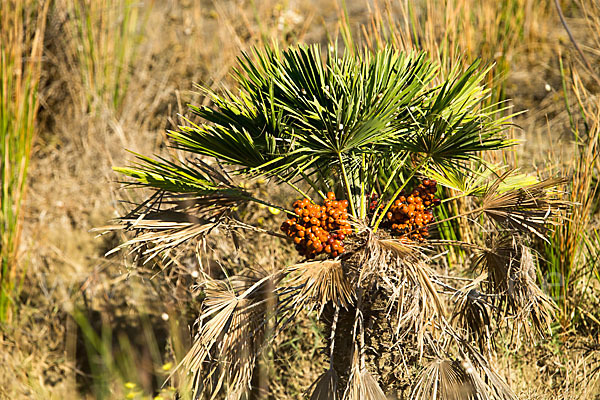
[233, 331]
[471, 314]
[401, 248]
[527, 300]
[497, 260]
[377, 253]
[488, 384]
[325, 387]
[167, 221]
[321, 282]
[444, 380]
[409, 255]
[511, 279]
[151, 242]
[362, 385]
[527, 209]
[399, 269]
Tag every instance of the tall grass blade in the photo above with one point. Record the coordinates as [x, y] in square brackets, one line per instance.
[21, 44]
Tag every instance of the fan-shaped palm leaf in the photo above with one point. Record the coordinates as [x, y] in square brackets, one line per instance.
[525, 209]
[232, 334]
[444, 380]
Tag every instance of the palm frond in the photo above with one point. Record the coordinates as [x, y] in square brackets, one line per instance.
[232, 334]
[362, 385]
[418, 270]
[474, 179]
[444, 380]
[167, 221]
[377, 253]
[511, 280]
[320, 282]
[194, 176]
[526, 296]
[488, 384]
[472, 314]
[526, 209]
[449, 127]
[325, 387]
[399, 269]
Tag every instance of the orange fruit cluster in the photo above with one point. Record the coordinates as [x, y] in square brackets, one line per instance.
[410, 215]
[373, 200]
[319, 229]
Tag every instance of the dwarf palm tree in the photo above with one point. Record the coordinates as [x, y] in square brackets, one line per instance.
[362, 128]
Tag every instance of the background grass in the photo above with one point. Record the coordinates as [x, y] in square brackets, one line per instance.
[21, 50]
[98, 77]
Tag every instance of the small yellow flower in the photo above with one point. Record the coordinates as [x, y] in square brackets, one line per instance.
[158, 397]
[167, 366]
[274, 210]
[130, 385]
[131, 395]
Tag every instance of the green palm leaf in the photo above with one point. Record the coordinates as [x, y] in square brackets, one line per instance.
[335, 120]
[178, 177]
[449, 126]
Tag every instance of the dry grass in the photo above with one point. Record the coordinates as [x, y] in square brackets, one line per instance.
[21, 50]
[92, 107]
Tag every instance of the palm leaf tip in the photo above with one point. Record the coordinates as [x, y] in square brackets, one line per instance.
[193, 176]
[488, 384]
[452, 126]
[167, 221]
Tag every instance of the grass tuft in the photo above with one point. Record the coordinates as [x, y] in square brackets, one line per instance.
[21, 45]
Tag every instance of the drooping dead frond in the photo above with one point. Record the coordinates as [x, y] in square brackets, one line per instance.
[486, 381]
[444, 380]
[151, 242]
[362, 385]
[321, 282]
[232, 333]
[511, 275]
[377, 253]
[497, 260]
[325, 387]
[409, 256]
[472, 314]
[527, 300]
[398, 267]
[525, 209]
[190, 198]
[418, 307]
[401, 248]
[166, 221]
